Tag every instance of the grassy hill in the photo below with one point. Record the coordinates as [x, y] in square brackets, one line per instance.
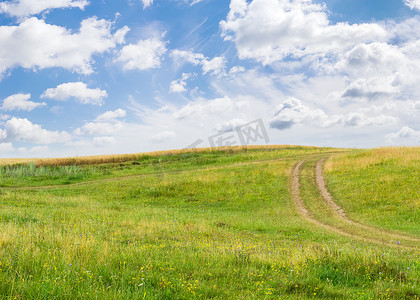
[232, 223]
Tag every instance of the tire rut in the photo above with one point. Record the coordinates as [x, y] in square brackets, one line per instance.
[322, 188]
[308, 216]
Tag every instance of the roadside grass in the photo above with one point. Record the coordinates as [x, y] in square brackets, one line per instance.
[203, 232]
[380, 187]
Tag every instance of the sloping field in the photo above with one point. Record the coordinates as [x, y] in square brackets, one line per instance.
[255, 222]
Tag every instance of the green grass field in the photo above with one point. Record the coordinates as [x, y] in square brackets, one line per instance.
[219, 224]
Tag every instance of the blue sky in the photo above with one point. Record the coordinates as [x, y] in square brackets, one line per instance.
[81, 77]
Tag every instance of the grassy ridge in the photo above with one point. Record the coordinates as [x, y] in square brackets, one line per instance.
[106, 159]
[222, 226]
[58, 172]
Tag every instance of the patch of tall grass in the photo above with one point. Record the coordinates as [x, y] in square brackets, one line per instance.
[33, 171]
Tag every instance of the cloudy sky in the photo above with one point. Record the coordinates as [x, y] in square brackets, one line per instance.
[82, 77]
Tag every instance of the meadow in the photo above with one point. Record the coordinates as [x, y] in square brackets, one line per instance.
[212, 223]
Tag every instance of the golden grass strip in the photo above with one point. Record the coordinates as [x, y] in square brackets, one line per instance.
[118, 158]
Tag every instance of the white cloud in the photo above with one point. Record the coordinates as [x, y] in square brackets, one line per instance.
[23, 8]
[4, 117]
[361, 120]
[111, 115]
[103, 141]
[6, 147]
[188, 56]
[163, 136]
[147, 3]
[379, 71]
[293, 112]
[371, 88]
[78, 91]
[34, 151]
[3, 134]
[205, 107]
[405, 133]
[215, 65]
[271, 30]
[236, 69]
[99, 141]
[146, 54]
[99, 128]
[371, 59]
[230, 125]
[33, 44]
[20, 102]
[178, 86]
[105, 124]
[413, 4]
[24, 130]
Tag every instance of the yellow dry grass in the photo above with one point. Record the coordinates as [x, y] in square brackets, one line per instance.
[405, 156]
[118, 158]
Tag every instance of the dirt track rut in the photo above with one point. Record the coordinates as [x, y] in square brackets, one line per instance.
[374, 235]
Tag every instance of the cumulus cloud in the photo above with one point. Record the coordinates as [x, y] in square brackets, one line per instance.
[111, 115]
[33, 44]
[178, 86]
[78, 91]
[371, 59]
[146, 54]
[214, 66]
[294, 29]
[105, 124]
[20, 102]
[371, 88]
[405, 133]
[18, 129]
[413, 4]
[23, 8]
[293, 112]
